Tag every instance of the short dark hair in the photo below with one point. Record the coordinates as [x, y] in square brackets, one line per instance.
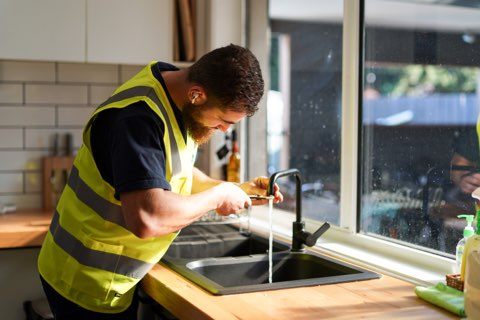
[232, 75]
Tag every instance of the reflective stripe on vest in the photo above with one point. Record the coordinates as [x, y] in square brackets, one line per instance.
[107, 210]
[478, 131]
[120, 264]
[150, 93]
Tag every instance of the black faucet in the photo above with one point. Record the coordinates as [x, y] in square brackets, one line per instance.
[300, 236]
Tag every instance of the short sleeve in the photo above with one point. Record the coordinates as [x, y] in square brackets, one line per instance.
[128, 148]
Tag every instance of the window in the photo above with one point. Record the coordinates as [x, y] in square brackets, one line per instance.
[419, 111]
[304, 102]
[407, 153]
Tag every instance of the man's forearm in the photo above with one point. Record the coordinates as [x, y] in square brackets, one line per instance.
[156, 212]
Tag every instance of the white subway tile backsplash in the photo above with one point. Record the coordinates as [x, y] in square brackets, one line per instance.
[23, 201]
[37, 100]
[56, 94]
[43, 138]
[27, 116]
[27, 71]
[11, 182]
[99, 94]
[11, 138]
[11, 93]
[21, 160]
[83, 72]
[33, 182]
[128, 71]
[74, 116]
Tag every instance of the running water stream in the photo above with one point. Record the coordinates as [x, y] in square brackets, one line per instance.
[270, 239]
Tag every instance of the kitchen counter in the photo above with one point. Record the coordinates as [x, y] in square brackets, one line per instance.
[26, 228]
[385, 298]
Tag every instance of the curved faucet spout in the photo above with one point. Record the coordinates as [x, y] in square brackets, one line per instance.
[298, 188]
[300, 236]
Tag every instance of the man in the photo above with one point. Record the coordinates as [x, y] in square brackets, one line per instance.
[467, 153]
[133, 185]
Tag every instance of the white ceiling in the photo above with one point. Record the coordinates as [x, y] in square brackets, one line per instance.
[404, 14]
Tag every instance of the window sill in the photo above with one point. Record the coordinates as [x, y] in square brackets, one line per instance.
[385, 257]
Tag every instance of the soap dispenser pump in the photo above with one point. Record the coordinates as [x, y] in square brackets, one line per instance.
[467, 232]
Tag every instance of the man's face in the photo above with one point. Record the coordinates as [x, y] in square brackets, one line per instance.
[202, 121]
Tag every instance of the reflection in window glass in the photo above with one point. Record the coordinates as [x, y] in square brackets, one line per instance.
[304, 102]
[420, 152]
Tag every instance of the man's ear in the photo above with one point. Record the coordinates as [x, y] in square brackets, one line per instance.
[197, 95]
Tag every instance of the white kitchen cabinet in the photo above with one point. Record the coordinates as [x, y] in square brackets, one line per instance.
[110, 31]
[42, 30]
[106, 31]
[130, 32]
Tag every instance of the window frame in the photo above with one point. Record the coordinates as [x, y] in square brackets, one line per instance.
[343, 241]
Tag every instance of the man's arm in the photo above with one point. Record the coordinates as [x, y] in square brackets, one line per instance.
[156, 212]
[257, 186]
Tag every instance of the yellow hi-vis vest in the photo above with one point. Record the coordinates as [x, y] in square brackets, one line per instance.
[477, 207]
[478, 131]
[89, 256]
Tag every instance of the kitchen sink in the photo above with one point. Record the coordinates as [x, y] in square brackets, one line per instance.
[232, 275]
[198, 242]
[223, 260]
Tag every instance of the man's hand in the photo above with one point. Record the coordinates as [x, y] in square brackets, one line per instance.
[469, 182]
[465, 180]
[258, 186]
[232, 199]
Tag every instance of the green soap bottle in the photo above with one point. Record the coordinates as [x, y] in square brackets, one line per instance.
[467, 232]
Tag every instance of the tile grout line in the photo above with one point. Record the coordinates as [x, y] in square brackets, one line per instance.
[56, 72]
[119, 75]
[24, 93]
[24, 137]
[56, 116]
[89, 94]
[24, 176]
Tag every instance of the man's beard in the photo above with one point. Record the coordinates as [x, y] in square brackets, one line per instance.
[199, 133]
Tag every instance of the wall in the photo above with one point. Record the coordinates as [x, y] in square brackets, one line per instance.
[38, 99]
[221, 31]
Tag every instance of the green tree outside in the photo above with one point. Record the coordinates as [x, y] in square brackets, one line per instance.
[414, 80]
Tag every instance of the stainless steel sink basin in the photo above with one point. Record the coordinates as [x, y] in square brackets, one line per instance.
[222, 276]
[231, 262]
[198, 242]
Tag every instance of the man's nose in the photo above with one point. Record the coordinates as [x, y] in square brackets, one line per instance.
[224, 127]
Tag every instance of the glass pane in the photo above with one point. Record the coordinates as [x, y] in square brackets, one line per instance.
[420, 106]
[304, 102]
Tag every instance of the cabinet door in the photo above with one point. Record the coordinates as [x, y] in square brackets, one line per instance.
[125, 31]
[42, 30]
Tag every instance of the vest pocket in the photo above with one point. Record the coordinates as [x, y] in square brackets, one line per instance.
[91, 267]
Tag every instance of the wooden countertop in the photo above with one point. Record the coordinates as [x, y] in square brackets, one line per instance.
[385, 298]
[26, 228]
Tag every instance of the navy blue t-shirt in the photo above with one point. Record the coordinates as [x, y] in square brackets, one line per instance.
[127, 144]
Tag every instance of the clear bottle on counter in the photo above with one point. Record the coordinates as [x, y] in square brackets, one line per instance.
[471, 274]
[233, 164]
